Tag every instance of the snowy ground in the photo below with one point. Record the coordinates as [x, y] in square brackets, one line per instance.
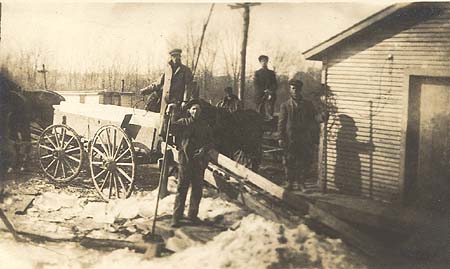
[75, 210]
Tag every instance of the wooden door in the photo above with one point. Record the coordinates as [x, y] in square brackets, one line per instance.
[433, 162]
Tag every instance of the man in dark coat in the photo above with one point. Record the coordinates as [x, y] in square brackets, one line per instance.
[265, 82]
[195, 140]
[296, 125]
[175, 85]
[230, 101]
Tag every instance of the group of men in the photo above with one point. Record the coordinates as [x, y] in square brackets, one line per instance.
[194, 136]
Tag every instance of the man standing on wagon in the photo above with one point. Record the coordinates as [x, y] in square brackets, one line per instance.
[175, 84]
[194, 142]
[265, 82]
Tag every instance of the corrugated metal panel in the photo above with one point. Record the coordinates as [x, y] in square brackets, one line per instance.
[367, 91]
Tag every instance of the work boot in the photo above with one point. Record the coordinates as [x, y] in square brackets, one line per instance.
[195, 219]
[176, 224]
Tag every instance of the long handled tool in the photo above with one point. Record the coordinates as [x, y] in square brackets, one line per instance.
[8, 225]
[162, 174]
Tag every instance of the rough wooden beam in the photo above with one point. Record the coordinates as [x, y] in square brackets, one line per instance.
[261, 182]
[350, 234]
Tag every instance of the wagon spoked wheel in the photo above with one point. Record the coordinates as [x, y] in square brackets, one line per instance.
[111, 158]
[60, 153]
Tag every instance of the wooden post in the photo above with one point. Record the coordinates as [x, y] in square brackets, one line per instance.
[244, 53]
[246, 16]
[322, 160]
[44, 72]
[205, 25]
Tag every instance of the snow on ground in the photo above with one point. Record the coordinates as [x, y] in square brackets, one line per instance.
[140, 205]
[257, 243]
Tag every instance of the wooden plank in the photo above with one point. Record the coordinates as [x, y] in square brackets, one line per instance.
[361, 119]
[384, 147]
[220, 182]
[266, 209]
[349, 135]
[392, 163]
[393, 83]
[381, 49]
[384, 76]
[364, 179]
[8, 225]
[350, 234]
[377, 129]
[366, 213]
[398, 60]
[339, 92]
[376, 166]
[362, 151]
[258, 180]
[382, 64]
[365, 169]
[339, 85]
[381, 99]
[372, 190]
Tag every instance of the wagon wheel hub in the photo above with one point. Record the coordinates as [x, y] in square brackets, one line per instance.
[111, 158]
[59, 153]
[110, 164]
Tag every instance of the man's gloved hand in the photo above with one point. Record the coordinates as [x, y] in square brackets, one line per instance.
[170, 108]
[148, 89]
[281, 143]
[183, 104]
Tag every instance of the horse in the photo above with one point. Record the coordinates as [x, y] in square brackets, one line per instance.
[238, 135]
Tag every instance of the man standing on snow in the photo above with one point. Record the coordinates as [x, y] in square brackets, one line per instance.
[194, 136]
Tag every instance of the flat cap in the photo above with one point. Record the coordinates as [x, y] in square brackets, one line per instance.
[261, 57]
[193, 102]
[296, 82]
[175, 52]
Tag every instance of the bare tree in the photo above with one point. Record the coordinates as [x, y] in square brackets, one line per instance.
[230, 52]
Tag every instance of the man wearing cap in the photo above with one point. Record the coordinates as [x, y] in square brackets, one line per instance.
[265, 82]
[298, 117]
[230, 101]
[194, 142]
[174, 83]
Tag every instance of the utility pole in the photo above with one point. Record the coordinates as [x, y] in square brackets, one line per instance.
[44, 72]
[246, 17]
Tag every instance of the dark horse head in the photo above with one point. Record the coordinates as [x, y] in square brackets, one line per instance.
[237, 135]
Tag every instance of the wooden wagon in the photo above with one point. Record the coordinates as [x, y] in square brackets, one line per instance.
[113, 139]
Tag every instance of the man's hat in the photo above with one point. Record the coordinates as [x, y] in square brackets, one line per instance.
[261, 57]
[296, 82]
[228, 89]
[193, 102]
[175, 52]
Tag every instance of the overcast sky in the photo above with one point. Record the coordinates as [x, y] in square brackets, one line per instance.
[89, 36]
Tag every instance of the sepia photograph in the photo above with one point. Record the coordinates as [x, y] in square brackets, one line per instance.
[214, 134]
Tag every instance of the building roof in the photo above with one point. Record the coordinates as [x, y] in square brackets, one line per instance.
[316, 52]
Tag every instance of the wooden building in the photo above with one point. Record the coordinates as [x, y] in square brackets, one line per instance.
[387, 80]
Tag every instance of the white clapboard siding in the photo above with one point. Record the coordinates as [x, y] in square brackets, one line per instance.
[359, 72]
